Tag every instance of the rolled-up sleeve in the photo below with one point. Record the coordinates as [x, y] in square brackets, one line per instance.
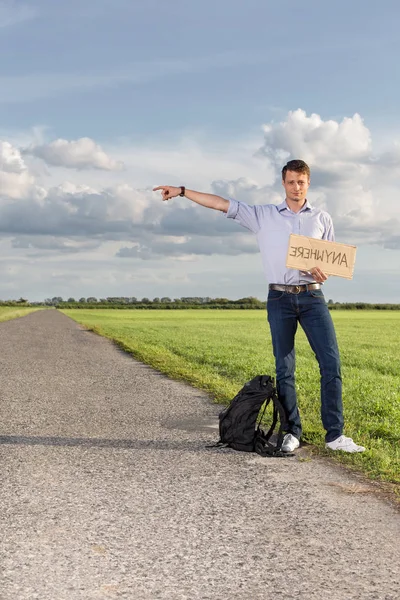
[329, 233]
[245, 214]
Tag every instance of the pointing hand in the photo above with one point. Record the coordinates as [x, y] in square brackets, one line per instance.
[168, 191]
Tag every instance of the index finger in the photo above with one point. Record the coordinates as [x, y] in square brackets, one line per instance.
[160, 187]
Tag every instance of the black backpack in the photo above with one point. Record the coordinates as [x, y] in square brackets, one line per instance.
[237, 422]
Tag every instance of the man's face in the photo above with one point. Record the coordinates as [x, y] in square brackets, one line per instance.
[296, 186]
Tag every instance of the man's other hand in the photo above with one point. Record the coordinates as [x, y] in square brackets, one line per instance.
[318, 275]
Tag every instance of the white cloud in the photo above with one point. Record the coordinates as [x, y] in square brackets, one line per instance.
[247, 190]
[16, 182]
[348, 180]
[75, 211]
[16, 185]
[83, 153]
[315, 140]
[189, 247]
[11, 160]
[355, 185]
[57, 244]
[113, 216]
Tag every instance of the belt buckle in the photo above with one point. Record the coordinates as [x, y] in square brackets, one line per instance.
[296, 289]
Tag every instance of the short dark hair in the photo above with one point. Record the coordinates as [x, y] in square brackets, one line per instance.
[296, 165]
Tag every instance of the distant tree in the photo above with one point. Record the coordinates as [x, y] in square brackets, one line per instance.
[22, 301]
[91, 300]
[330, 301]
[82, 300]
[156, 300]
[133, 300]
[56, 300]
[248, 300]
[145, 301]
[70, 300]
[192, 300]
[165, 299]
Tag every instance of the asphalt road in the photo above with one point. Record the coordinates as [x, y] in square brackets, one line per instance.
[108, 491]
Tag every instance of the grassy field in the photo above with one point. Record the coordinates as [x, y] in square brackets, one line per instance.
[219, 351]
[13, 312]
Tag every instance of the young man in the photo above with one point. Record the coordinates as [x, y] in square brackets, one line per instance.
[294, 296]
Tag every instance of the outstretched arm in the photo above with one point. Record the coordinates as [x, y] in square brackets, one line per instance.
[207, 200]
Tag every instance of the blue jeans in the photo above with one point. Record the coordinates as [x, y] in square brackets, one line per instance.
[309, 309]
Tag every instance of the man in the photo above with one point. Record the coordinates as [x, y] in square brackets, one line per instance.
[294, 296]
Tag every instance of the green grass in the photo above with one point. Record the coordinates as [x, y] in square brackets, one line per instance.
[13, 312]
[219, 351]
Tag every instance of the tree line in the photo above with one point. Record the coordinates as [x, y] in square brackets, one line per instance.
[190, 302]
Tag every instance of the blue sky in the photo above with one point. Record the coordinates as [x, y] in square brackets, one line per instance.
[109, 69]
[211, 95]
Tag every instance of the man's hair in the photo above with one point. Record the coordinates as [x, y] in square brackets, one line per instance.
[296, 165]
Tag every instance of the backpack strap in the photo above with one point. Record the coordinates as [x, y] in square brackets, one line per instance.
[219, 444]
[278, 412]
[274, 420]
[278, 408]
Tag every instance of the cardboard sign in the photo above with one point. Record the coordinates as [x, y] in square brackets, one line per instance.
[332, 258]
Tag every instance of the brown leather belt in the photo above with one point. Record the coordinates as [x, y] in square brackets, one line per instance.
[294, 289]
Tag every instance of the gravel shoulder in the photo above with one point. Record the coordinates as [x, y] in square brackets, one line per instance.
[107, 490]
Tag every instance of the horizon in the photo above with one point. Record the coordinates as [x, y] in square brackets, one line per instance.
[195, 300]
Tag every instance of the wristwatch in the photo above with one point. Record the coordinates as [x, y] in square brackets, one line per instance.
[182, 190]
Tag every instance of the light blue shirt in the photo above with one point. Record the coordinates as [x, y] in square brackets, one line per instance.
[273, 225]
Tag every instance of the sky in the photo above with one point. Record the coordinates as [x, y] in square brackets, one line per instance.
[102, 100]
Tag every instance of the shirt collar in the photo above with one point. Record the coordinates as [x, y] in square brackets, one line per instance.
[283, 206]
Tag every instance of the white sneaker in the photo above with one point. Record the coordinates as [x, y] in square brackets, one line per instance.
[345, 444]
[290, 443]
